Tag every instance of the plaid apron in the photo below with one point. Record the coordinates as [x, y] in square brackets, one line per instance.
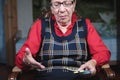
[62, 55]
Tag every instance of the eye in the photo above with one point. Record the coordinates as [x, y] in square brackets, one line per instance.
[68, 3]
[55, 4]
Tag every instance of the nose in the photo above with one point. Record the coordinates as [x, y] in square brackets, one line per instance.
[62, 8]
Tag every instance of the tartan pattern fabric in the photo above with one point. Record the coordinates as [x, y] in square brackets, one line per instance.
[64, 51]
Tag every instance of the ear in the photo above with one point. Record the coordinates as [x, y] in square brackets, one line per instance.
[51, 10]
[74, 5]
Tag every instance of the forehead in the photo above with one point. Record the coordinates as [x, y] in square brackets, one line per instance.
[59, 0]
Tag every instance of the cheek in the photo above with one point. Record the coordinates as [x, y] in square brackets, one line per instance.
[54, 11]
[73, 9]
[55, 14]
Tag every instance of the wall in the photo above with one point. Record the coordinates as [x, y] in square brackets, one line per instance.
[118, 29]
[25, 15]
[111, 44]
[2, 34]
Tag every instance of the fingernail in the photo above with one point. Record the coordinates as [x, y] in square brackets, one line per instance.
[43, 67]
[27, 49]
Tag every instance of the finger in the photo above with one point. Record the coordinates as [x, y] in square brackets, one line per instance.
[28, 52]
[38, 65]
[82, 67]
[28, 56]
[93, 71]
[32, 61]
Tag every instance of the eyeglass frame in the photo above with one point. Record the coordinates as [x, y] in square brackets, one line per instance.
[61, 3]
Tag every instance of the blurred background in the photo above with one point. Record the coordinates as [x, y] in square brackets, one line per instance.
[17, 16]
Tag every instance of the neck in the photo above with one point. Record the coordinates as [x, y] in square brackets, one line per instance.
[63, 26]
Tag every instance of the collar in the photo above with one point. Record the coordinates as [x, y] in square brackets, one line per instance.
[74, 19]
[70, 27]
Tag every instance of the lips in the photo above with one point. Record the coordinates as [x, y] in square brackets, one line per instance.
[62, 17]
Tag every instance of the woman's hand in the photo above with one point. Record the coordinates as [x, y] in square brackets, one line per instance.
[90, 65]
[30, 61]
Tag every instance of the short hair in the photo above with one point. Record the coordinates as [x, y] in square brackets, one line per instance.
[49, 1]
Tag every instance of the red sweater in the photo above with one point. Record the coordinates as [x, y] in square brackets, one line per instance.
[97, 48]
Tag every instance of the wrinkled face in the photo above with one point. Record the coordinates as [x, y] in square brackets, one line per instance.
[63, 10]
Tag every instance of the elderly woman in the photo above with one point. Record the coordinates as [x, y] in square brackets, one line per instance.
[64, 43]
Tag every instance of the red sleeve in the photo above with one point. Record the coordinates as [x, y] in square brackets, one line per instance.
[97, 48]
[33, 43]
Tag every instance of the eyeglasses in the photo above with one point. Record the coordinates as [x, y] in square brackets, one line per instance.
[58, 4]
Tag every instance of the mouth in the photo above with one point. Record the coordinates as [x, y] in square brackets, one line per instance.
[62, 17]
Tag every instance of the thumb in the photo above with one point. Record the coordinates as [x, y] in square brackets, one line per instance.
[40, 65]
[28, 52]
